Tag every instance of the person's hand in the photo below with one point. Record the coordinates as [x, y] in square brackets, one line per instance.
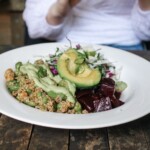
[61, 7]
[59, 10]
[68, 2]
[144, 4]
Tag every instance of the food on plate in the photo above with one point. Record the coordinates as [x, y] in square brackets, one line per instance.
[71, 66]
[76, 80]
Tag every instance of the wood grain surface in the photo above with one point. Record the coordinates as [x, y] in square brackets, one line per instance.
[11, 22]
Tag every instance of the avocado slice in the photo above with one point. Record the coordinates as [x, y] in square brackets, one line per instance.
[68, 85]
[78, 73]
[46, 83]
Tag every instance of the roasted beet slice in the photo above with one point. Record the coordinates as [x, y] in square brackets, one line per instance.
[87, 102]
[107, 87]
[103, 104]
[117, 95]
[116, 102]
[81, 93]
[96, 100]
[101, 98]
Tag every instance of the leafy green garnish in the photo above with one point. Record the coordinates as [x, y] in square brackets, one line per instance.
[42, 72]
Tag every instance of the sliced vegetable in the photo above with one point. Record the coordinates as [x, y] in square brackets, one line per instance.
[120, 86]
[78, 107]
[68, 85]
[54, 95]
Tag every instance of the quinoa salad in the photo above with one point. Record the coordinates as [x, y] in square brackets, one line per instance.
[76, 80]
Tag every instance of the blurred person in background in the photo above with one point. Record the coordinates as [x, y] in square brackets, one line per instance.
[119, 23]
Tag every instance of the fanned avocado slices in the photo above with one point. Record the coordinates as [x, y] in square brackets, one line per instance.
[71, 68]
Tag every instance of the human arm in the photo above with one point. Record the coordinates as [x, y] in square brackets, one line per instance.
[141, 20]
[144, 4]
[59, 10]
[34, 15]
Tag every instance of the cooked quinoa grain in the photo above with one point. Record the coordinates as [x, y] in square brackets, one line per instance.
[9, 74]
[28, 93]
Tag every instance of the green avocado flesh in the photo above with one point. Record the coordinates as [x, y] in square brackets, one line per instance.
[70, 67]
[47, 83]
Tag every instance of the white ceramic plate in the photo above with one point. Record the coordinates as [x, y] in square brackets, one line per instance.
[135, 72]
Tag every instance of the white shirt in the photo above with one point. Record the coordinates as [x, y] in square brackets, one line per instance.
[91, 21]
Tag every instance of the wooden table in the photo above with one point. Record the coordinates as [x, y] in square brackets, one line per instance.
[17, 135]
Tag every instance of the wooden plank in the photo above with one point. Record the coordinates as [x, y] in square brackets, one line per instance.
[11, 29]
[5, 29]
[14, 134]
[145, 123]
[17, 26]
[95, 139]
[129, 136]
[49, 139]
[12, 5]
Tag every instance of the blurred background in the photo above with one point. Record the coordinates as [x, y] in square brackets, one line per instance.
[12, 28]
[11, 22]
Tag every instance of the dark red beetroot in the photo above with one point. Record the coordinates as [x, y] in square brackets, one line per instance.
[107, 87]
[102, 104]
[81, 93]
[116, 102]
[102, 98]
[95, 103]
[117, 94]
[87, 102]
